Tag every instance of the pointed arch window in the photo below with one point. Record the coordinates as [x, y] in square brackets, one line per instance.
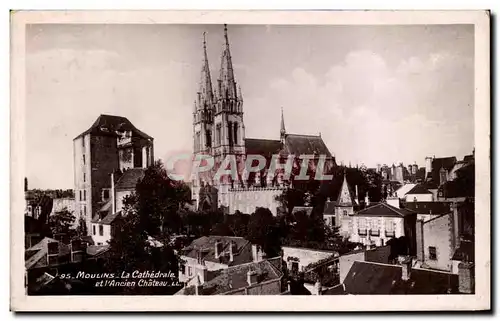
[235, 136]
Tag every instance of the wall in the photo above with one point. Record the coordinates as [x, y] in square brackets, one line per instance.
[103, 239]
[247, 200]
[305, 256]
[83, 205]
[104, 162]
[192, 263]
[419, 197]
[346, 261]
[437, 233]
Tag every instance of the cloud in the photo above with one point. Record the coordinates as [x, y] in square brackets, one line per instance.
[370, 110]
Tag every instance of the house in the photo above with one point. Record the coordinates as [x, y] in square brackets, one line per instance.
[112, 143]
[377, 224]
[369, 254]
[376, 278]
[254, 278]
[212, 253]
[419, 193]
[427, 210]
[298, 259]
[338, 213]
[104, 229]
[403, 190]
[445, 240]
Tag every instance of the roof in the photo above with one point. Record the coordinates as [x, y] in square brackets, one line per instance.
[107, 220]
[403, 190]
[109, 124]
[128, 180]
[235, 278]
[264, 147]
[206, 244]
[375, 278]
[465, 252]
[39, 252]
[371, 278]
[329, 208]
[468, 158]
[306, 209]
[444, 162]
[384, 210]
[419, 189]
[93, 250]
[305, 145]
[429, 207]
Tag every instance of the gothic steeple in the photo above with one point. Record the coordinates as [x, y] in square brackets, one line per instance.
[282, 130]
[205, 97]
[227, 89]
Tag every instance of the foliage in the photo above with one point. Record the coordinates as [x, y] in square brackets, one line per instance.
[141, 239]
[264, 231]
[61, 223]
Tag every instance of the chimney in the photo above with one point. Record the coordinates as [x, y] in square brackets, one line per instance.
[252, 277]
[466, 277]
[420, 240]
[257, 253]
[405, 262]
[232, 250]
[198, 287]
[356, 197]
[317, 288]
[218, 249]
[113, 201]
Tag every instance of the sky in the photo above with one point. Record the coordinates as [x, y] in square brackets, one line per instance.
[376, 94]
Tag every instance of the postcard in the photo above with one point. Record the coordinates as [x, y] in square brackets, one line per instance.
[287, 160]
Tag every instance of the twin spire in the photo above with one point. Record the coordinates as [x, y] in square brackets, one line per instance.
[226, 85]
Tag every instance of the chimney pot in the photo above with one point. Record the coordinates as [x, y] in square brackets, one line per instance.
[252, 277]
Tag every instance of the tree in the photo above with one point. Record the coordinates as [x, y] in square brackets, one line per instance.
[291, 198]
[81, 229]
[141, 239]
[263, 230]
[61, 223]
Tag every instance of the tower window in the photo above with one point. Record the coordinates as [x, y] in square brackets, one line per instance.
[230, 131]
[235, 127]
[84, 177]
[209, 138]
[218, 134]
[83, 159]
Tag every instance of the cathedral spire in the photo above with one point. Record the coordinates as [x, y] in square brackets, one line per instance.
[205, 93]
[227, 84]
[282, 130]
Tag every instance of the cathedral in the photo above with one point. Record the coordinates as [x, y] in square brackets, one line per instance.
[219, 131]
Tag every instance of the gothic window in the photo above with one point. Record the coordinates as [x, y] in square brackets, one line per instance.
[218, 134]
[230, 131]
[235, 136]
[209, 138]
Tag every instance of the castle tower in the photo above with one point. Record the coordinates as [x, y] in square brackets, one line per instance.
[203, 108]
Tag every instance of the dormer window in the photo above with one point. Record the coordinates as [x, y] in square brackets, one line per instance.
[105, 194]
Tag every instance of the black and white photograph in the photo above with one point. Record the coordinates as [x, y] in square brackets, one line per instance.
[253, 157]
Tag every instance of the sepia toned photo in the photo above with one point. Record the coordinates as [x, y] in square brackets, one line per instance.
[162, 159]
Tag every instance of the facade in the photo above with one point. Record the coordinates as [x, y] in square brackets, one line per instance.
[212, 253]
[377, 224]
[219, 131]
[419, 193]
[298, 259]
[111, 144]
